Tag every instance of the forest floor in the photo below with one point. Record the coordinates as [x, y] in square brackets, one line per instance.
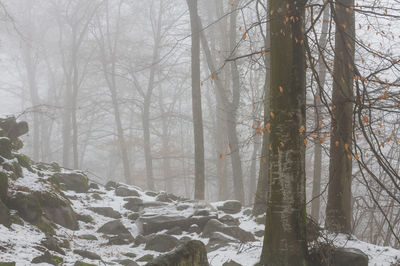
[241, 243]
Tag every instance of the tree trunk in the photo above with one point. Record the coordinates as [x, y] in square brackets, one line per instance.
[199, 179]
[338, 209]
[316, 189]
[285, 235]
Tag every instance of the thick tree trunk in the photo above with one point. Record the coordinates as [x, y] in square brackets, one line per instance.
[316, 189]
[338, 209]
[199, 179]
[285, 235]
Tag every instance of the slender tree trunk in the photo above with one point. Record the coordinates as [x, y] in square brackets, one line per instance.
[316, 190]
[199, 179]
[253, 169]
[285, 229]
[338, 209]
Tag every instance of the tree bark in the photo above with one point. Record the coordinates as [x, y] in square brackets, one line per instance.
[285, 235]
[316, 189]
[199, 179]
[338, 209]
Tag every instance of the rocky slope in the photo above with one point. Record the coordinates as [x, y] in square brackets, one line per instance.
[50, 215]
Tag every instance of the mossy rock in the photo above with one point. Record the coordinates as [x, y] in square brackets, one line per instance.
[130, 255]
[5, 148]
[14, 168]
[17, 144]
[15, 219]
[58, 259]
[3, 186]
[77, 182]
[86, 218]
[45, 226]
[27, 205]
[5, 218]
[146, 258]
[81, 263]
[7, 263]
[24, 161]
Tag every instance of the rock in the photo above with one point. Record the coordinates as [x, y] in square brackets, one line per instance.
[3, 186]
[219, 240]
[58, 210]
[7, 263]
[146, 258]
[182, 207]
[45, 258]
[5, 218]
[96, 196]
[349, 257]
[111, 185]
[231, 263]
[88, 237]
[157, 223]
[202, 213]
[133, 263]
[233, 231]
[86, 218]
[126, 262]
[87, 254]
[229, 220]
[174, 231]
[126, 192]
[247, 212]
[166, 197]
[192, 253]
[106, 211]
[121, 239]
[114, 228]
[140, 240]
[260, 219]
[162, 243]
[133, 216]
[5, 148]
[194, 228]
[151, 193]
[133, 204]
[12, 128]
[77, 182]
[24, 161]
[81, 263]
[93, 186]
[27, 205]
[231, 206]
[51, 243]
[130, 255]
[259, 233]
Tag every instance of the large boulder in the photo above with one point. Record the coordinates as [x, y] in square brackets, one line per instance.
[349, 257]
[233, 231]
[126, 192]
[12, 128]
[3, 186]
[5, 148]
[162, 243]
[133, 204]
[230, 206]
[87, 254]
[192, 253]
[218, 240]
[106, 211]
[157, 223]
[116, 228]
[77, 182]
[5, 218]
[58, 210]
[27, 205]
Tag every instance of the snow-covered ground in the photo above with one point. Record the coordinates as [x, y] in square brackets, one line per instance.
[20, 243]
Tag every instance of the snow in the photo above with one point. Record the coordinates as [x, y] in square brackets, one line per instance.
[18, 242]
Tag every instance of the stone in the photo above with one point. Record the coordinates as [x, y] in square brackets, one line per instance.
[194, 228]
[259, 233]
[113, 228]
[233, 231]
[230, 206]
[133, 204]
[229, 220]
[218, 240]
[349, 257]
[130, 255]
[11, 263]
[96, 196]
[126, 262]
[166, 197]
[93, 186]
[231, 263]
[45, 258]
[5, 148]
[191, 253]
[202, 213]
[133, 216]
[27, 205]
[24, 161]
[151, 193]
[157, 223]
[139, 240]
[81, 263]
[88, 237]
[162, 243]
[58, 210]
[182, 207]
[174, 231]
[146, 258]
[3, 186]
[12, 128]
[51, 243]
[133, 263]
[5, 218]
[77, 182]
[126, 192]
[106, 211]
[121, 239]
[86, 218]
[87, 254]
[111, 185]
[247, 212]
